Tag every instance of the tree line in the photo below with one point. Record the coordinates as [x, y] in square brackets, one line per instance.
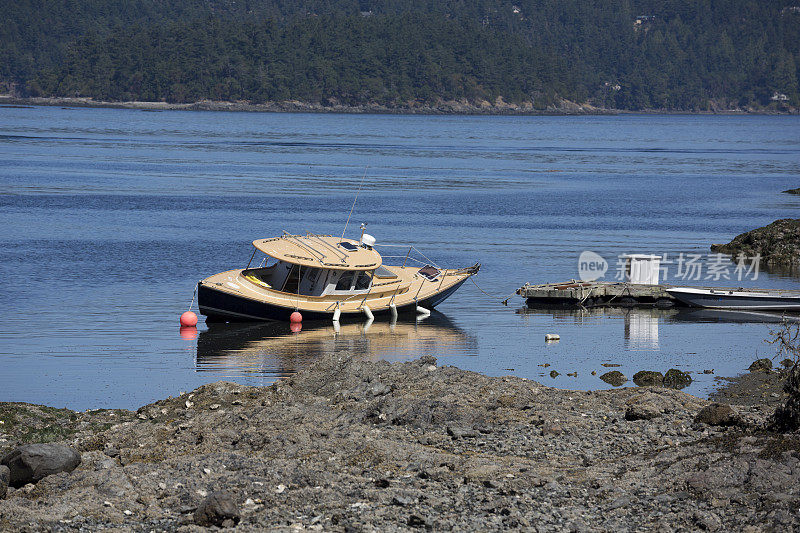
[624, 54]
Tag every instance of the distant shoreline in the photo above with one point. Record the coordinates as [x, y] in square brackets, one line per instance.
[444, 108]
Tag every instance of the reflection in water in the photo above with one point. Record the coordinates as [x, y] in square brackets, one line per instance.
[272, 349]
[641, 331]
[641, 323]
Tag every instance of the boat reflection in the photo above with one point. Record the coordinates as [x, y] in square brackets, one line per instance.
[272, 349]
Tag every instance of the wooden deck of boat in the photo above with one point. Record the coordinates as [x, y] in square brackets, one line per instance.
[595, 293]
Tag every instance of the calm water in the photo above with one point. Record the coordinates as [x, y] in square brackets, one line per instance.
[109, 218]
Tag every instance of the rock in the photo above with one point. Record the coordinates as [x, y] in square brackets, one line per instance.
[792, 191]
[111, 451]
[642, 411]
[760, 365]
[461, 433]
[777, 243]
[427, 360]
[552, 428]
[402, 501]
[217, 509]
[31, 462]
[707, 521]
[676, 379]
[615, 378]
[5, 478]
[416, 521]
[718, 414]
[648, 378]
[553, 374]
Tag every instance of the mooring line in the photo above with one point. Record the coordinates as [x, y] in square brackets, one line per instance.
[503, 299]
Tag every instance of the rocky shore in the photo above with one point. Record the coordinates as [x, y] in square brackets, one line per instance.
[778, 244]
[348, 445]
[443, 107]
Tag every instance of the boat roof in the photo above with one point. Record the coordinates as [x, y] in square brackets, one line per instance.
[320, 251]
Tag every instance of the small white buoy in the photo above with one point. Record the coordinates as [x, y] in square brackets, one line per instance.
[368, 312]
[336, 314]
[551, 337]
[422, 311]
[393, 311]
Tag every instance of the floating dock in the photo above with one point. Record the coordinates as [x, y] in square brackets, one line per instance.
[597, 293]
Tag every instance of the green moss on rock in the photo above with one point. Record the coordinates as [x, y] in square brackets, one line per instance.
[777, 243]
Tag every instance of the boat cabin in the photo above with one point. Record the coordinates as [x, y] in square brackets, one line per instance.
[318, 265]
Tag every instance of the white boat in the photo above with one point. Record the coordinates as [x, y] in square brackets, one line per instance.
[775, 300]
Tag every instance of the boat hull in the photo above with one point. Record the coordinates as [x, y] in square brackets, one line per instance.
[738, 300]
[222, 306]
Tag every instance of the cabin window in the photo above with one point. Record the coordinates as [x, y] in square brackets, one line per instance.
[363, 281]
[345, 281]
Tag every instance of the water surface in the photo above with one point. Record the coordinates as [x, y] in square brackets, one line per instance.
[111, 216]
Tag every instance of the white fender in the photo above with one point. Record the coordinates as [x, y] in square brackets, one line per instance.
[422, 311]
[369, 314]
[336, 314]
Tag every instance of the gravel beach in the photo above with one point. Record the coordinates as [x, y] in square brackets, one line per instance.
[348, 445]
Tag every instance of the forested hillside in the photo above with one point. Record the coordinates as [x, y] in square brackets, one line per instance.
[625, 54]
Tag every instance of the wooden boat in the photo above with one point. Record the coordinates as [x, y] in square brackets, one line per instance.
[774, 300]
[325, 277]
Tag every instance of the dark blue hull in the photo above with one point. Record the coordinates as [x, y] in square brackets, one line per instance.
[220, 306]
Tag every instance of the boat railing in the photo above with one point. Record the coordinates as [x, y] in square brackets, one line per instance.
[343, 256]
[408, 256]
[305, 246]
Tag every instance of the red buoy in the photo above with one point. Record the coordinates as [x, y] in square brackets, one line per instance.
[188, 319]
[296, 317]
